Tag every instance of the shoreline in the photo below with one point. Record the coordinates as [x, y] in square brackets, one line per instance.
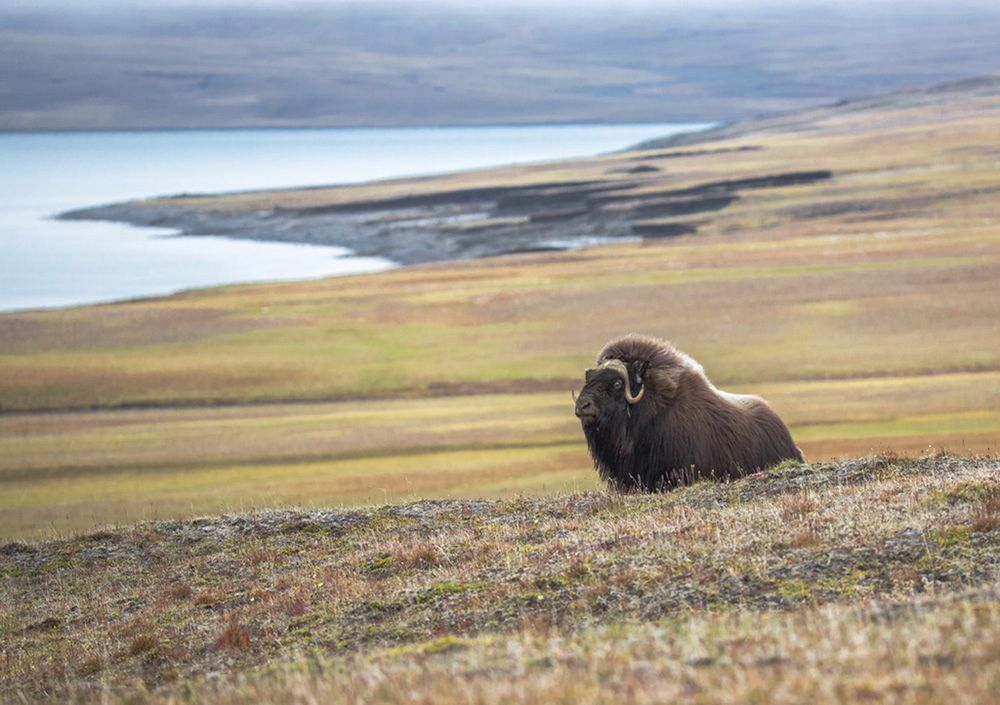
[435, 217]
[98, 256]
[469, 223]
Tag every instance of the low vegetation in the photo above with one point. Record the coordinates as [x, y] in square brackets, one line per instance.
[863, 307]
[870, 579]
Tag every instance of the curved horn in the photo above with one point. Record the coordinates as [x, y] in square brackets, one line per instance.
[619, 367]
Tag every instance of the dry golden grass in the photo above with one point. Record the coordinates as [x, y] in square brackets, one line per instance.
[71, 471]
[933, 653]
[706, 594]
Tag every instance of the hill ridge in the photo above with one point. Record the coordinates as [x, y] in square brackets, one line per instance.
[230, 593]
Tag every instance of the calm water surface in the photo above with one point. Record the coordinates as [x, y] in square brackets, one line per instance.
[48, 263]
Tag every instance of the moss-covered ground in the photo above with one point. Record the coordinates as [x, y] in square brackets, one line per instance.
[872, 579]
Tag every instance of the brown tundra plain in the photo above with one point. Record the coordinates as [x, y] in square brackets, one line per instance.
[863, 302]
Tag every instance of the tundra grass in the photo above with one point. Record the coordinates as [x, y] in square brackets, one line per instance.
[933, 315]
[66, 502]
[863, 580]
[70, 471]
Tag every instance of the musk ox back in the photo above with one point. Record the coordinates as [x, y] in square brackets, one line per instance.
[653, 421]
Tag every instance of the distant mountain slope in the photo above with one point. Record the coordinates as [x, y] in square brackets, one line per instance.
[940, 94]
[381, 64]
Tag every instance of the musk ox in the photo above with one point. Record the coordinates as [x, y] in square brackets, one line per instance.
[653, 421]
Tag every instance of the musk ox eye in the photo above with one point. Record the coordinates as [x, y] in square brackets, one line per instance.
[618, 384]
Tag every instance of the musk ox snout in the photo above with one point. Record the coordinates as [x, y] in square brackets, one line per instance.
[585, 407]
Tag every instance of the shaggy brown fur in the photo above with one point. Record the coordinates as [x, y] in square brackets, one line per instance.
[681, 429]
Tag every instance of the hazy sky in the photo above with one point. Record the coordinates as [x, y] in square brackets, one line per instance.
[484, 4]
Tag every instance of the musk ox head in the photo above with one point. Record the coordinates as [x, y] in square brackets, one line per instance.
[608, 393]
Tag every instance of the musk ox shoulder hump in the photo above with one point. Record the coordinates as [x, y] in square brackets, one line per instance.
[664, 365]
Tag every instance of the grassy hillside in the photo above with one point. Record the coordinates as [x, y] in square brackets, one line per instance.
[873, 579]
[863, 306]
